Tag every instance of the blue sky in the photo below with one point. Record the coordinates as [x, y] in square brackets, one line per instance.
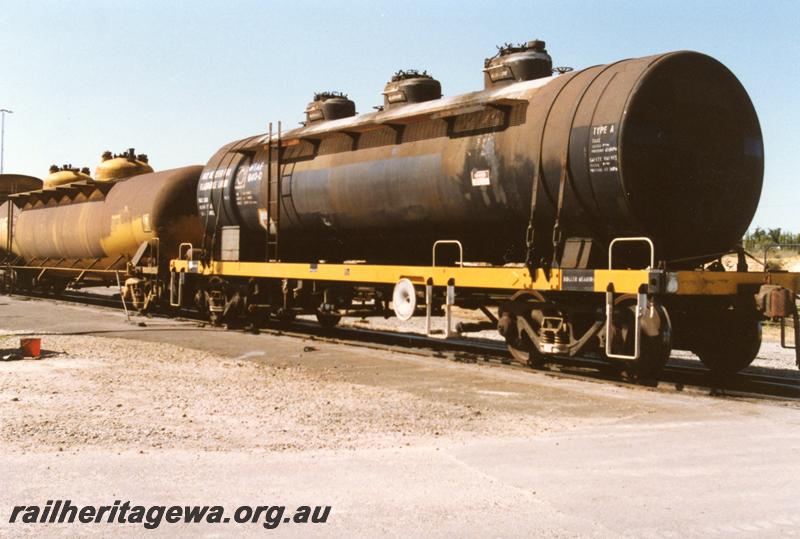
[179, 79]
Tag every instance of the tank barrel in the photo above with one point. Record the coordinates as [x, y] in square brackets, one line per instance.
[662, 146]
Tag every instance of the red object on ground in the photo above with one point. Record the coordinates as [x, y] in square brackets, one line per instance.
[31, 346]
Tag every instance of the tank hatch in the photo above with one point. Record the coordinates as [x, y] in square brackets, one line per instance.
[410, 86]
[515, 63]
[329, 106]
[123, 165]
[65, 174]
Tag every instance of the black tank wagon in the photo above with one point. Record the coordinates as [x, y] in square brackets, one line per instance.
[581, 204]
[667, 147]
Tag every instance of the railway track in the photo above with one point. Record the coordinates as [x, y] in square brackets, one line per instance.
[678, 375]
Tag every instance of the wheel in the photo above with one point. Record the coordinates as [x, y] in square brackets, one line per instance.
[519, 344]
[213, 300]
[328, 319]
[655, 340]
[24, 281]
[731, 343]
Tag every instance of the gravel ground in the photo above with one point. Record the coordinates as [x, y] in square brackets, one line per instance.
[115, 393]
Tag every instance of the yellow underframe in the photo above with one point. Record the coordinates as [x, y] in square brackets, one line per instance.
[501, 278]
[727, 282]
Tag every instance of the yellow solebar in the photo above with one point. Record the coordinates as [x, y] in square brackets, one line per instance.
[500, 278]
[467, 277]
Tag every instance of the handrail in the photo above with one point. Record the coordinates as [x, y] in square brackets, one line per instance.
[450, 242]
[185, 254]
[122, 296]
[158, 249]
[641, 303]
[176, 281]
[643, 239]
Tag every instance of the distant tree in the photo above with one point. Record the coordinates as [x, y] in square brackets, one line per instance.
[759, 238]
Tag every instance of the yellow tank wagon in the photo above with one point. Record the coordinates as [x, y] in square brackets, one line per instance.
[91, 232]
